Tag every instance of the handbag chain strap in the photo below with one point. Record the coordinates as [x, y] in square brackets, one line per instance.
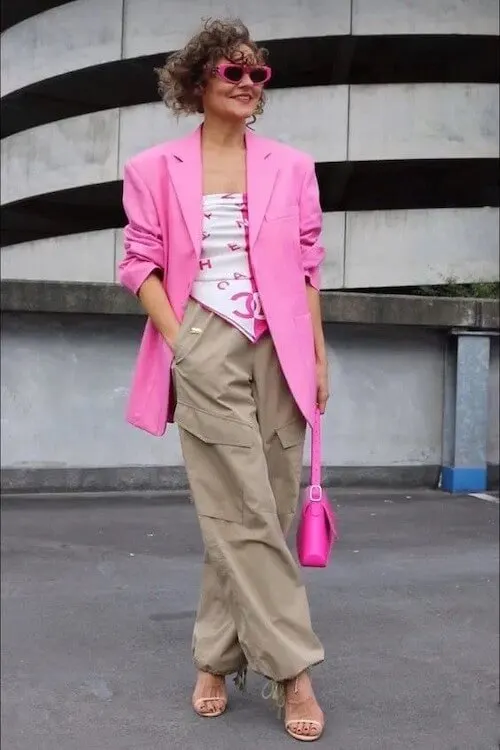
[316, 450]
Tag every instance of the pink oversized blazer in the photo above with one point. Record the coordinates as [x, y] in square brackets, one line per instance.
[163, 202]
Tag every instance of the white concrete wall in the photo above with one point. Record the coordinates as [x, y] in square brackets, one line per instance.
[89, 32]
[60, 155]
[406, 122]
[382, 248]
[385, 409]
[88, 257]
[438, 121]
[425, 17]
[324, 136]
[70, 37]
[404, 248]
[332, 123]
[157, 26]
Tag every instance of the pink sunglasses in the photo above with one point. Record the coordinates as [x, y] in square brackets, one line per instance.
[233, 73]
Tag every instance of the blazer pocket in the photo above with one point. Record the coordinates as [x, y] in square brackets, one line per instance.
[282, 213]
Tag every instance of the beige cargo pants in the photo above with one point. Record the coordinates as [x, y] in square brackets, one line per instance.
[242, 439]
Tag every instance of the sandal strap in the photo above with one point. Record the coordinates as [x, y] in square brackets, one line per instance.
[318, 724]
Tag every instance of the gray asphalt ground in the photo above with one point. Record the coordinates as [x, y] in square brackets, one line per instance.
[98, 599]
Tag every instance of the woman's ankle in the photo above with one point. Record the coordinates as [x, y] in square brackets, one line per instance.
[299, 686]
[210, 676]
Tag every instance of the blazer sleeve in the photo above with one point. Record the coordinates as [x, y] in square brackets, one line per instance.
[144, 249]
[311, 220]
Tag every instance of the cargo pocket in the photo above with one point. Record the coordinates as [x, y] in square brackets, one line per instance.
[216, 451]
[284, 460]
[292, 434]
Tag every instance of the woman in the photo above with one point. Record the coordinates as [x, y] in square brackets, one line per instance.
[222, 248]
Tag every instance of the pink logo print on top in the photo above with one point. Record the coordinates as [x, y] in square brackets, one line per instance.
[252, 303]
[205, 263]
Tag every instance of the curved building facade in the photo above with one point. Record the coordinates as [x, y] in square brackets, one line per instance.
[397, 101]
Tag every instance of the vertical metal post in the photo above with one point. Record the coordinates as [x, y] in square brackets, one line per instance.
[465, 423]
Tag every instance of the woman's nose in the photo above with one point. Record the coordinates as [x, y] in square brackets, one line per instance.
[246, 80]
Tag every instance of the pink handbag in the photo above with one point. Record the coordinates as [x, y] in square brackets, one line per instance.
[317, 528]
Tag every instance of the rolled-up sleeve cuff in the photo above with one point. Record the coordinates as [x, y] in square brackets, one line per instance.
[134, 277]
[313, 279]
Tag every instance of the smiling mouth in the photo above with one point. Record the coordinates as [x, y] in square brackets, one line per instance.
[243, 97]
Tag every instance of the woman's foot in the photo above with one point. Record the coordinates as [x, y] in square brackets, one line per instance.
[304, 719]
[210, 695]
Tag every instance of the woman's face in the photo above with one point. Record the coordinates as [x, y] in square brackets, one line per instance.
[229, 99]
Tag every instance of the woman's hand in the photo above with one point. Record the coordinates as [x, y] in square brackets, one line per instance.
[172, 337]
[319, 347]
[322, 385]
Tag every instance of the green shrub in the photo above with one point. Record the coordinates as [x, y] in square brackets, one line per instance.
[475, 289]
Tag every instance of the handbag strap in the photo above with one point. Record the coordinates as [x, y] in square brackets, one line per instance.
[316, 449]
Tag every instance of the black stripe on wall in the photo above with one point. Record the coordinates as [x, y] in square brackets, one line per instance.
[15, 11]
[344, 186]
[316, 61]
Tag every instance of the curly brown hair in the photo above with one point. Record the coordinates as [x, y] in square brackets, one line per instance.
[182, 78]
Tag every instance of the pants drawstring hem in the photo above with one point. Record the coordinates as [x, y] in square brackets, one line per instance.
[275, 692]
[240, 679]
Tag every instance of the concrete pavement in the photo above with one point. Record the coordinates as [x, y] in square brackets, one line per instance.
[98, 597]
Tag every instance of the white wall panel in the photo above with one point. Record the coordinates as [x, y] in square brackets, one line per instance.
[89, 32]
[148, 125]
[78, 257]
[386, 122]
[332, 273]
[157, 26]
[72, 36]
[79, 151]
[311, 119]
[406, 248]
[425, 16]
[324, 136]
[424, 121]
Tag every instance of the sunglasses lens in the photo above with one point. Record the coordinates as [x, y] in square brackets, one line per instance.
[258, 75]
[233, 73]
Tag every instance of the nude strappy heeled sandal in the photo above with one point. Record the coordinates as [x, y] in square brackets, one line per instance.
[199, 703]
[239, 680]
[276, 692]
[305, 707]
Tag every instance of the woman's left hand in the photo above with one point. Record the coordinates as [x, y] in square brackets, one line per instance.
[322, 385]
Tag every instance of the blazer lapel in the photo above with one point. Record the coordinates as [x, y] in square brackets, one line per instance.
[261, 176]
[186, 174]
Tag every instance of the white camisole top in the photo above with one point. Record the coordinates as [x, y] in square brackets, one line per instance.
[225, 282]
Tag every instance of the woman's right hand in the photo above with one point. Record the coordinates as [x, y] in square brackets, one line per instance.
[155, 302]
[172, 337]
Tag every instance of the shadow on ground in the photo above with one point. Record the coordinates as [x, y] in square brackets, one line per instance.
[98, 599]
